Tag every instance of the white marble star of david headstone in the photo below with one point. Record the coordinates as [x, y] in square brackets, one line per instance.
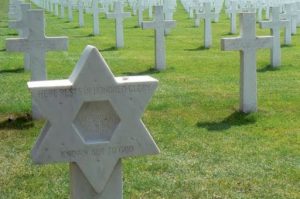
[93, 119]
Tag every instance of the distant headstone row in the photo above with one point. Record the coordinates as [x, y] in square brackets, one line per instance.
[87, 114]
[138, 6]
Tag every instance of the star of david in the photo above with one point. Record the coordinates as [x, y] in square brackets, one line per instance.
[93, 118]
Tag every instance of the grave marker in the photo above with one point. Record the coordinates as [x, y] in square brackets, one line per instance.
[119, 16]
[140, 12]
[207, 15]
[56, 8]
[159, 24]
[81, 14]
[22, 25]
[247, 44]
[96, 12]
[274, 25]
[36, 45]
[88, 125]
[70, 10]
[233, 11]
[292, 17]
[62, 9]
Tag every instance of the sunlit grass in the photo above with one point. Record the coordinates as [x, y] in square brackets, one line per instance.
[208, 148]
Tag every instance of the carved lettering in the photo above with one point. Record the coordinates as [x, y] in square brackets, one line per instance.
[117, 150]
[94, 91]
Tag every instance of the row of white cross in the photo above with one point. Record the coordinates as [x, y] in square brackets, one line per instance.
[35, 44]
[95, 159]
[248, 40]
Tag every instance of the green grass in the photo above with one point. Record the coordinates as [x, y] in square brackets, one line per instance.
[208, 148]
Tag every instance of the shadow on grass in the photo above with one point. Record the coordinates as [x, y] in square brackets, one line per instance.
[237, 118]
[12, 34]
[146, 72]
[91, 35]
[286, 45]
[113, 48]
[17, 122]
[16, 70]
[267, 68]
[74, 27]
[137, 26]
[5, 26]
[197, 49]
[3, 50]
[82, 36]
[228, 34]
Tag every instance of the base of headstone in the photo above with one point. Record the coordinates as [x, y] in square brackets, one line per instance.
[276, 54]
[27, 62]
[36, 114]
[248, 84]
[82, 189]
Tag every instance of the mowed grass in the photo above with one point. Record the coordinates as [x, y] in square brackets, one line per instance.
[208, 148]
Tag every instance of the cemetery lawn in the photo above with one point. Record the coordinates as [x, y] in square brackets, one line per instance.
[208, 148]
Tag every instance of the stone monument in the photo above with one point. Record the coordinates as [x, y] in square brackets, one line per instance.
[159, 24]
[93, 121]
[119, 16]
[36, 45]
[247, 44]
[207, 15]
[275, 24]
[22, 26]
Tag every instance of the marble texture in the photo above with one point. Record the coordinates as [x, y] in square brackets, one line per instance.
[70, 10]
[159, 24]
[22, 26]
[274, 25]
[140, 12]
[290, 16]
[88, 124]
[233, 12]
[96, 11]
[247, 44]
[62, 9]
[36, 45]
[80, 13]
[119, 15]
[56, 8]
[207, 15]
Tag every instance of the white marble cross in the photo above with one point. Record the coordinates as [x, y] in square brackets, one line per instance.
[36, 45]
[140, 12]
[159, 24]
[247, 44]
[56, 8]
[275, 24]
[119, 16]
[198, 8]
[70, 10]
[22, 25]
[291, 16]
[80, 13]
[150, 8]
[233, 11]
[207, 15]
[51, 5]
[88, 125]
[168, 11]
[62, 9]
[96, 11]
